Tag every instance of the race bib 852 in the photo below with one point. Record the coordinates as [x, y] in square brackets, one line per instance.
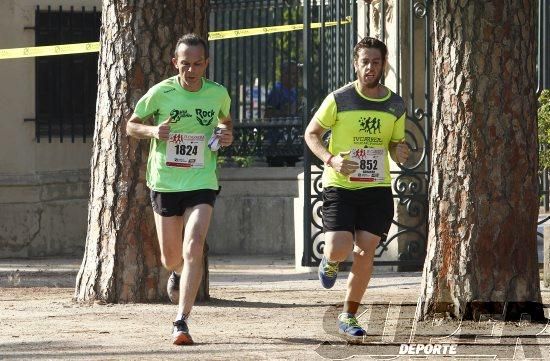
[371, 164]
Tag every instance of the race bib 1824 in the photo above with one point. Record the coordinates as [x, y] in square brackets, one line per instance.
[185, 150]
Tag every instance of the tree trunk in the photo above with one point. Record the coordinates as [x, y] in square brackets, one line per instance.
[122, 258]
[483, 195]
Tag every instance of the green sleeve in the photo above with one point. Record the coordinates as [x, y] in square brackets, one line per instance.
[326, 114]
[399, 129]
[226, 105]
[146, 106]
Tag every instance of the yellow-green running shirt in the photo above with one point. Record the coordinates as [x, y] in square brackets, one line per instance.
[359, 122]
[194, 117]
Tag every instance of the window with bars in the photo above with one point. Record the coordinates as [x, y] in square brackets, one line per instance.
[66, 85]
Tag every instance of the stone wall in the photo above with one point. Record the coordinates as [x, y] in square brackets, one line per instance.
[45, 214]
[254, 214]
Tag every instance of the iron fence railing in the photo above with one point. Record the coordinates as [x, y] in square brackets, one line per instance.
[543, 82]
[66, 86]
[543, 48]
[280, 138]
[253, 67]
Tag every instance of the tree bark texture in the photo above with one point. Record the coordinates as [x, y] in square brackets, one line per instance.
[122, 258]
[483, 196]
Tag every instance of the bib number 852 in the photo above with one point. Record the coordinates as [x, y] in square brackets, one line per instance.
[186, 149]
[369, 164]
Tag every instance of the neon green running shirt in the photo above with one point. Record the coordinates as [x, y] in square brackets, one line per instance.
[184, 163]
[358, 123]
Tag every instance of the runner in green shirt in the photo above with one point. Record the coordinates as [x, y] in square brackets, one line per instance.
[186, 117]
[367, 122]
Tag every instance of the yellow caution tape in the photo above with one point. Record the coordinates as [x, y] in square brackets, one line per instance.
[229, 34]
[49, 50]
[94, 47]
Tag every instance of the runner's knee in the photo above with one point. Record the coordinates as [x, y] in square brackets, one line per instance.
[193, 250]
[363, 258]
[172, 262]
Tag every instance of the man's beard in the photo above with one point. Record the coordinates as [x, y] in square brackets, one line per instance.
[374, 83]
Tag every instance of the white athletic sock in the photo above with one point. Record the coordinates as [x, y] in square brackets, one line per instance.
[181, 316]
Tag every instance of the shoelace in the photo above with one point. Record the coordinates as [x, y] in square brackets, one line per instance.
[330, 270]
[351, 321]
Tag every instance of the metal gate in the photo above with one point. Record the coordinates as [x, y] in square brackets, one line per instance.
[255, 70]
[328, 61]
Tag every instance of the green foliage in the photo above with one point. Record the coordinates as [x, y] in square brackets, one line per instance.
[235, 162]
[544, 129]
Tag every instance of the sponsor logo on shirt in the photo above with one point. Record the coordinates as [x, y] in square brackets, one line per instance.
[178, 114]
[369, 125]
[205, 117]
[367, 142]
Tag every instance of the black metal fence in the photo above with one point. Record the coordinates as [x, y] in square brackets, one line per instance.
[543, 47]
[543, 82]
[264, 73]
[250, 67]
[66, 86]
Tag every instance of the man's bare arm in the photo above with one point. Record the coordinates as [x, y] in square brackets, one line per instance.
[313, 137]
[136, 128]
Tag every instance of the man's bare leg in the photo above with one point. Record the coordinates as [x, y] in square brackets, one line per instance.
[338, 245]
[197, 220]
[361, 269]
[169, 232]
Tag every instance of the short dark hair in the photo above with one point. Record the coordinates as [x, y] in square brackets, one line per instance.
[369, 42]
[191, 40]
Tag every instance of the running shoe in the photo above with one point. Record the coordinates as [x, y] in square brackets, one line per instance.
[181, 335]
[328, 271]
[348, 326]
[173, 288]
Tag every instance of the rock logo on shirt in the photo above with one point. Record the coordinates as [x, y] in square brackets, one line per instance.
[204, 117]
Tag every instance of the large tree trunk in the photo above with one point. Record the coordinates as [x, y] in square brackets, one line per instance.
[122, 260]
[482, 253]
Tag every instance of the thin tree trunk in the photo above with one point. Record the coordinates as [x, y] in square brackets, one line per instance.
[482, 255]
[122, 258]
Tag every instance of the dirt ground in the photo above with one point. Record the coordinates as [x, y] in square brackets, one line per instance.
[261, 309]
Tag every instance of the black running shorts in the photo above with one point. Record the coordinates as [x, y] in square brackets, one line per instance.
[368, 209]
[169, 204]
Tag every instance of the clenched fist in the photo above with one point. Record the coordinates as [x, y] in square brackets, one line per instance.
[162, 131]
[343, 165]
[401, 152]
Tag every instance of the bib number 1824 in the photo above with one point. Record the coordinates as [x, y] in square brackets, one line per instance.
[186, 149]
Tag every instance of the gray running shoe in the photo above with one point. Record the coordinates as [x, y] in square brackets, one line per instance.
[173, 288]
[181, 335]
